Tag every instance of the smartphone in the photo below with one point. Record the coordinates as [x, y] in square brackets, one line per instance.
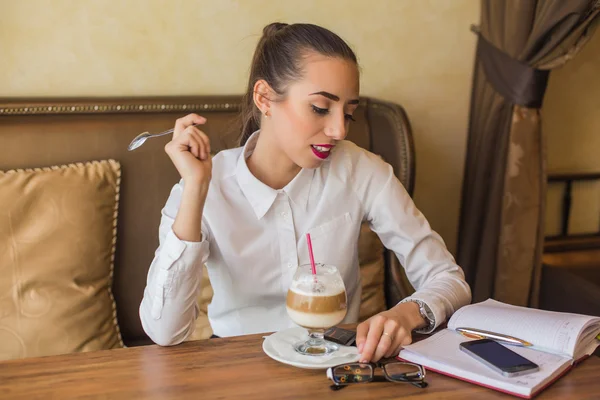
[499, 358]
[341, 336]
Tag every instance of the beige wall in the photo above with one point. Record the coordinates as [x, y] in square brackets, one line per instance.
[414, 52]
[571, 122]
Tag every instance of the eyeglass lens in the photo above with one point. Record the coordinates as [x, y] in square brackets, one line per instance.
[403, 372]
[353, 373]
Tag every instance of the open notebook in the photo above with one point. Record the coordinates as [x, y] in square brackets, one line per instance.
[559, 341]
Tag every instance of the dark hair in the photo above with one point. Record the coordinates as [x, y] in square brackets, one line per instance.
[278, 60]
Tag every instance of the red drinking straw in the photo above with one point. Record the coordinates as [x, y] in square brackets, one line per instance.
[310, 254]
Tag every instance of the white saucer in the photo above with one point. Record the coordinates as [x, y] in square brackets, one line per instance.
[279, 346]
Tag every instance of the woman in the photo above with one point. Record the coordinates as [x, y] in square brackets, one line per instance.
[245, 212]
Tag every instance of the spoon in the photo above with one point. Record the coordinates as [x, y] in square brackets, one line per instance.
[142, 137]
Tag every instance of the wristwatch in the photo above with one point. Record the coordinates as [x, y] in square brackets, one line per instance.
[426, 314]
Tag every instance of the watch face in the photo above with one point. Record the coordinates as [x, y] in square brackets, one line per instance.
[425, 312]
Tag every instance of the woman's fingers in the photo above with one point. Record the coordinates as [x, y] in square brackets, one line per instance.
[386, 340]
[203, 141]
[403, 338]
[373, 336]
[192, 143]
[380, 337]
[181, 124]
[361, 335]
[189, 149]
[195, 147]
[206, 139]
[196, 141]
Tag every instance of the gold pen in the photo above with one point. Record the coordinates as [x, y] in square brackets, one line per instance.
[480, 334]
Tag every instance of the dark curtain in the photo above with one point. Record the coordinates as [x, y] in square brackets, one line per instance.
[501, 224]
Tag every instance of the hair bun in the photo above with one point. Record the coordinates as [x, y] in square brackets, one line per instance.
[273, 28]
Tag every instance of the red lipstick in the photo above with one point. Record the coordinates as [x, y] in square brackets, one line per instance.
[322, 151]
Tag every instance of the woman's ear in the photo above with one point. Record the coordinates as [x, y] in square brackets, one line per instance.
[262, 96]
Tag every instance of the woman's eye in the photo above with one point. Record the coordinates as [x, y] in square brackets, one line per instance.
[319, 110]
[325, 111]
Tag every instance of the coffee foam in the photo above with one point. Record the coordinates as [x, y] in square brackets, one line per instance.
[317, 291]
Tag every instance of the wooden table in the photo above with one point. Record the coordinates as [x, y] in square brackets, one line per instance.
[230, 368]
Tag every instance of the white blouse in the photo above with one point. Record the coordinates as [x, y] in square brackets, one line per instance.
[254, 237]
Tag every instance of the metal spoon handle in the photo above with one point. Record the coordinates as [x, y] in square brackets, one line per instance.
[162, 133]
[166, 132]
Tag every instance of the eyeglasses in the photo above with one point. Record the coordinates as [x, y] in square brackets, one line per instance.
[394, 371]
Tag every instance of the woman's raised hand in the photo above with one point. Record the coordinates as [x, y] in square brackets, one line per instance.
[189, 150]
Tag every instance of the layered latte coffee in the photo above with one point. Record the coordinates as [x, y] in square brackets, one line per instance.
[316, 306]
[316, 300]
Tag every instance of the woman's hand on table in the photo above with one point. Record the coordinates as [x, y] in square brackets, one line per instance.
[384, 334]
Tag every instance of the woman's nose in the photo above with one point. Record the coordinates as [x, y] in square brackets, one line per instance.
[337, 129]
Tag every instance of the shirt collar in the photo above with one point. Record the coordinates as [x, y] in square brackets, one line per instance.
[261, 196]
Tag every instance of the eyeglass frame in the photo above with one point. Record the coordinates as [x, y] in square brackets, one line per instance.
[418, 382]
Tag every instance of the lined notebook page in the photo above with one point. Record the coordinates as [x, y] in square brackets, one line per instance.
[546, 330]
[441, 352]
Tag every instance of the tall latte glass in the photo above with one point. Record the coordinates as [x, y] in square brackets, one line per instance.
[316, 302]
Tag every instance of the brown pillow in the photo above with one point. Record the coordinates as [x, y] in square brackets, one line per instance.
[370, 258]
[57, 245]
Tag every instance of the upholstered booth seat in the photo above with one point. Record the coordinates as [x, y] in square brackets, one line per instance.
[46, 133]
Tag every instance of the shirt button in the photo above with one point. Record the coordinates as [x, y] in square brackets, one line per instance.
[283, 214]
[290, 265]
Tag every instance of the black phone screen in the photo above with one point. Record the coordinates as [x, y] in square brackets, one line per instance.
[496, 354]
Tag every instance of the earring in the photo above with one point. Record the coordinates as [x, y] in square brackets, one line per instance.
[267, 114]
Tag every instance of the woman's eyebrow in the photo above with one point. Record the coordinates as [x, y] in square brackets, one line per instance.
[333, 97]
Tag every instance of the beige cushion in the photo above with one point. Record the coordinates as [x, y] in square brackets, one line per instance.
[203, 330]
[370, 257]
[57, 244]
